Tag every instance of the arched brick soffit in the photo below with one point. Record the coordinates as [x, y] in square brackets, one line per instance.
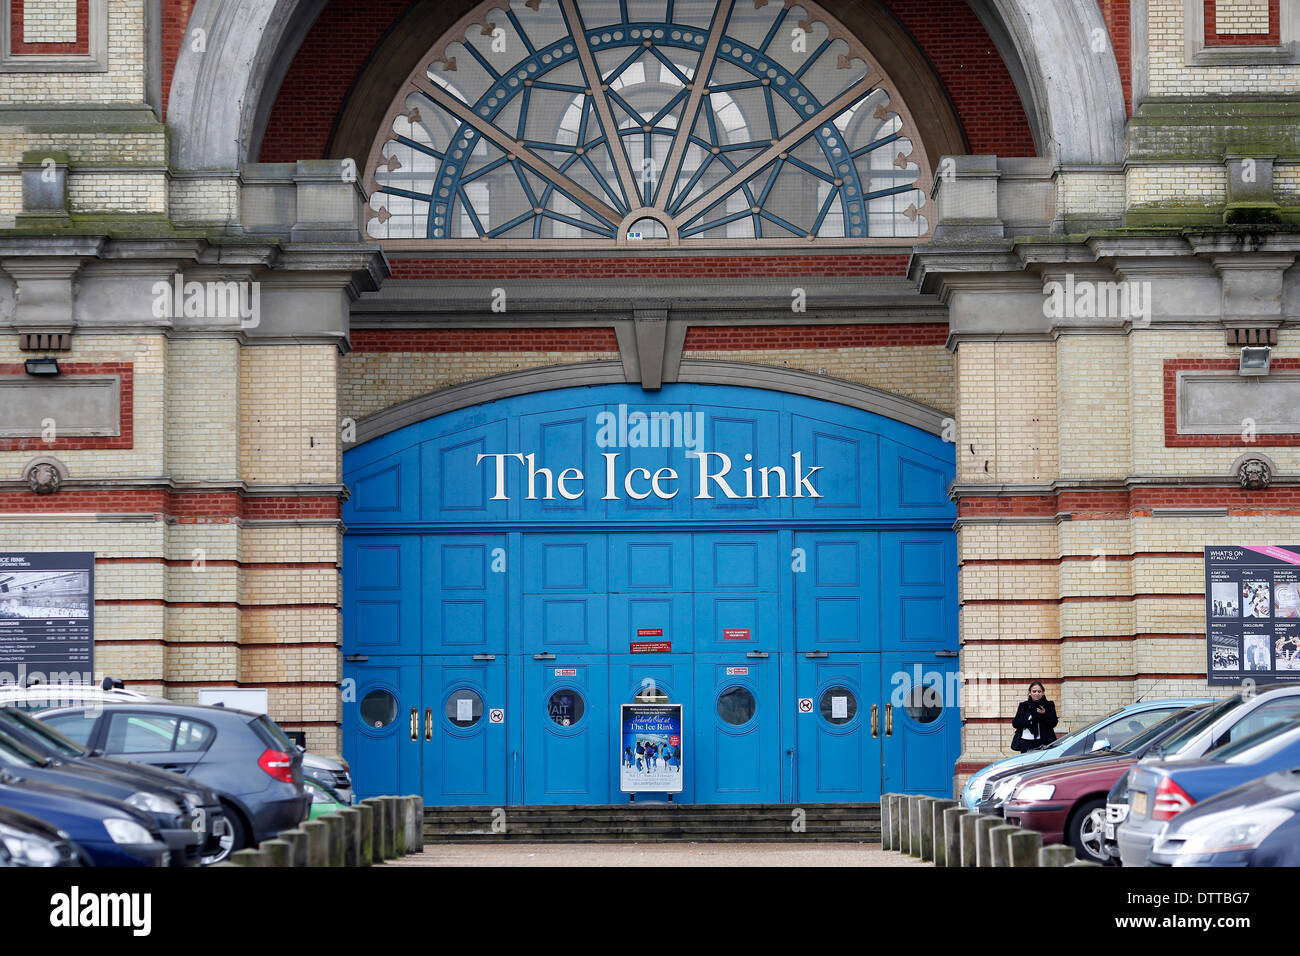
[220, 99]
[547, 379]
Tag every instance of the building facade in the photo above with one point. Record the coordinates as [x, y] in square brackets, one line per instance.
[1014, 280]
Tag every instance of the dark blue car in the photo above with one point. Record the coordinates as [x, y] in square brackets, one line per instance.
[1160, 791]
[109, 832]
[29, 842]
[1255, 824]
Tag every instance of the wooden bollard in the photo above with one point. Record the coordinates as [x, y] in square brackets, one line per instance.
[1056, 855]
[999, 848]
[970, 839]
[248, 858]
[351, 836]
[297, 840]
[278, 852]
[382, 847]
[318, 842]
[396, 826]
[982, 828]
[939, 847]
[366, 838]
[914, 826]
[1024, 846]
[897, 829]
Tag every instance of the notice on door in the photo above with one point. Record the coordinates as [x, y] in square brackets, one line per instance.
[464, 710]
[839, 708]
[650, 647]
[649, 739]
[735, 633]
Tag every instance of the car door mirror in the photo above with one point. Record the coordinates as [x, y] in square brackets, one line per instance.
[1099, 745]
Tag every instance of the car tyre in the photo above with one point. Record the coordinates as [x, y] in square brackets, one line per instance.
[235, 838]
[1086, 833]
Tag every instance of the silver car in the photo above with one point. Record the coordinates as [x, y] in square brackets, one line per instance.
[1227, 721]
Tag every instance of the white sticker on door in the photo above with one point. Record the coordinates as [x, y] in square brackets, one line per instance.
[839, 708]
[464, 709]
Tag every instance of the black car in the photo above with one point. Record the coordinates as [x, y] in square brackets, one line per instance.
[1254, 824]
[189, 815]
[26, 840]
[255, 769]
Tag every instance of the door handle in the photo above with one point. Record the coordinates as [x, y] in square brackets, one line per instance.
[415, 733]
[758, 654]
[485, 657]
[816, 655]
[875, 720]
[428, 723]
[543, 657]
[889, 720]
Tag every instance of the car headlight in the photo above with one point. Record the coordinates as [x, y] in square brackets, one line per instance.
[317, 793]
[153, 803]
[27, 849]
[1239, 831]
[127, 831]
[1037, 791]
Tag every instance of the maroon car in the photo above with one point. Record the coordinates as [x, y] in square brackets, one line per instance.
[1067, 804]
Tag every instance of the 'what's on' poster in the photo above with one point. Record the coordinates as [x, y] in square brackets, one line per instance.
[650, 748]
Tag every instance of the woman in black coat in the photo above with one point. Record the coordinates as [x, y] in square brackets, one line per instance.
[1034, 720]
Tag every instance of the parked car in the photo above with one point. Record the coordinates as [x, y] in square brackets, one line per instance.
[28, 841]
[1066, 799]
[108, 832]
[1255, 824]
[332, 774]
[189, 815]
[245, 757]
[1111, 729]
[1228, 721]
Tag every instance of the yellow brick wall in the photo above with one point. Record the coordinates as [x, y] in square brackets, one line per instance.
[289, 425]
[1007, 397]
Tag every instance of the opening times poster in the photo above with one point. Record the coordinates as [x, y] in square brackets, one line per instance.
[47, 617]
[1252, 613]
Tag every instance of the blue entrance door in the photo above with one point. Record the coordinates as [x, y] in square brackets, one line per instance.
[567, 756]
[656, 679]
[381, 724]
[737, 736]
[921, 724]
[463, 741]
[837, 728]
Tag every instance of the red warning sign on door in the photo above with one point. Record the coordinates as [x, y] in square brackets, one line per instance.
[650, 647]
[735, 633]
[649, 632]
[737, 671]
[805, 705]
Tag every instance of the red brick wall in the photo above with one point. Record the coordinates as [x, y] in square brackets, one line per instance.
[340, 43]
[484, 340]
[80, 45]
[968, 64]
[1137, 502]
[175, 18]
[186, 507]
[126, 410]
[1175, 440]
[1116, 15]
[1214, 38]
[713, 338]
[667, 267]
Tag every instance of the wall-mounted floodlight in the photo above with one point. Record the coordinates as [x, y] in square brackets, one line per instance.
[1255, 360]
[42, 366]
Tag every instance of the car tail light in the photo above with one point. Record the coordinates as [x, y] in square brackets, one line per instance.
[1170, 801]
[278, 764]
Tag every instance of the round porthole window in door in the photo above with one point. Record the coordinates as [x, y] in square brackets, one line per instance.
[566, 707]
[838, 705]
[464, 708]
[378, 709]
[736, 706]
[924, 703]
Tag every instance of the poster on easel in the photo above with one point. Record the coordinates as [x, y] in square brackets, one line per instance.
[650, 748]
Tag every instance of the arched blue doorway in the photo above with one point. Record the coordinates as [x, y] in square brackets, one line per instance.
[783, 567]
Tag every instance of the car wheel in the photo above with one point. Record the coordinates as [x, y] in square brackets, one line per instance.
[235, 838]
[1087, 831]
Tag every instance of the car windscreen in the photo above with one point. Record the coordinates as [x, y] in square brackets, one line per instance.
[1143, 737]
[1061, 743]
[1196, 725]
[16, 755]
[1260, 745]
[50, 737]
